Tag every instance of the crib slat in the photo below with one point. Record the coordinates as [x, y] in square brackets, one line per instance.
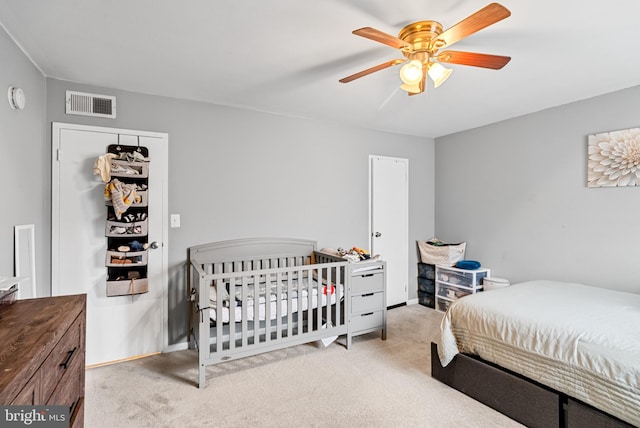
[267, 308]
[233, 283]
[304, 281]
[219, 319]
[309, 280]
[279, 307]
[318, 285]
[289, 305]
[309, 313]
[339, 286]
[301, 310]
[256, 309]
[337, 281]
[329, 295]
[300, 302]
[210, 268]
[244, 332]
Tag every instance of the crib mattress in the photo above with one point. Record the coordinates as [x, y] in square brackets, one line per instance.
[579, 340]
[299, 301]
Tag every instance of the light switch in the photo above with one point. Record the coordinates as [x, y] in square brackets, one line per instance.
[175, 220]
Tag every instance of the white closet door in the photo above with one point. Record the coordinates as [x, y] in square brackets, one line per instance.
[117, 327]
[390, 222]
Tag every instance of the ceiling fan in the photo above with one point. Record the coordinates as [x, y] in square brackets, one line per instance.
[420, 43]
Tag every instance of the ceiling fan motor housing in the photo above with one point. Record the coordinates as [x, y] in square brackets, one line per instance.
[419, 35]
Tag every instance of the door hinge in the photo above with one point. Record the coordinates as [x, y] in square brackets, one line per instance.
[58, 155]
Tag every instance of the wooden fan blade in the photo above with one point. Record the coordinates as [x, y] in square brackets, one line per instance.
[495, 62]
[382, 37]
[371, 70]
[486, 16]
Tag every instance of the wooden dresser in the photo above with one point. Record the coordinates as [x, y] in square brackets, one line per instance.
[43, 352]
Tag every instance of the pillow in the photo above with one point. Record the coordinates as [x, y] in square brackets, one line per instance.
[468, 264]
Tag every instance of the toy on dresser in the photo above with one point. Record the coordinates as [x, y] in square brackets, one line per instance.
[355, 254]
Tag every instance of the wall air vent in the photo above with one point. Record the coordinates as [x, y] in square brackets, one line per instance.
[91, 104]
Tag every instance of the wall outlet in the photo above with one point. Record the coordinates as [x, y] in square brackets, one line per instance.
[175, 220]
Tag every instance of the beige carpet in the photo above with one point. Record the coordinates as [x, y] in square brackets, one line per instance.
[374, 384]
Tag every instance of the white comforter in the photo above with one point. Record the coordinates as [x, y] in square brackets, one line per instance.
[580, 340]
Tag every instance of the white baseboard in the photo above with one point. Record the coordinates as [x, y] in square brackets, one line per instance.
[412, 302]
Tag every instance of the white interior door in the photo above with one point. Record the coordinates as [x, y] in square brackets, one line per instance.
[390, 222]
[117, 327]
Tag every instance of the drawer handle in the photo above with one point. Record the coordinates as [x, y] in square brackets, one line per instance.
[368, 295]
[365, 276]
[65, 364]
[367, 314]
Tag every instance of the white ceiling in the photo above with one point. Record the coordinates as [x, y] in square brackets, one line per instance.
[286, 56]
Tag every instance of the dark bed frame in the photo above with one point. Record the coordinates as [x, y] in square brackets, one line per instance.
[516, 396]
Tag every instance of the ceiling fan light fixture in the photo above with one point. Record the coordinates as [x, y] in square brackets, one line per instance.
[438, 73]
[411, 72]
[412, 89]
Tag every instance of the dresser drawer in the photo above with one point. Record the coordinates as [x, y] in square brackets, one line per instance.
[30, 394]
[68, 391]
[367, 282]
[77, 418]
[62, 357]
[451, 292]
[367, 302]
[366, 321]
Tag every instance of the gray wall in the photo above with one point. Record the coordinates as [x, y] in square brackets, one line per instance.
[236, 173]
[516, 192]
[24, 160]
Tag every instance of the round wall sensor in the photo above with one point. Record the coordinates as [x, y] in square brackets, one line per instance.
[16, 98]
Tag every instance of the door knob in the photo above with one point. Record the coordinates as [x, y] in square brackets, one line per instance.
[153, 245]
[377, 234]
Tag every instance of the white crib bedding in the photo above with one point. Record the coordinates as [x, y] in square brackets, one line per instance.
[579, 340]
[298, 294]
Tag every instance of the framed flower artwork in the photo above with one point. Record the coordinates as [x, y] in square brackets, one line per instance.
[614, 159]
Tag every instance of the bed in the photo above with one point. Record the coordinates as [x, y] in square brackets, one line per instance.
[255, 295]
[546, 353]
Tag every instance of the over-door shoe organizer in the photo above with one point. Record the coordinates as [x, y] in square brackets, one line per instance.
[127, 287]
[142, 194]
[126, 169]
[127, 270]
[126, 259]
[124, 229]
